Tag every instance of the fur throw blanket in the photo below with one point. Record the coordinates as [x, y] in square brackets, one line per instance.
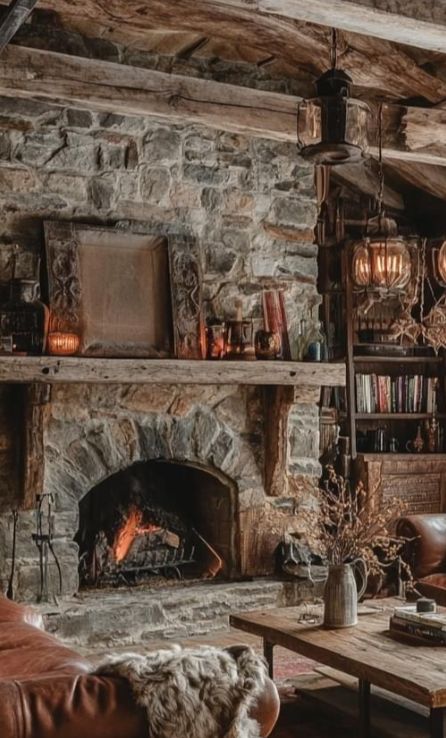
[194, 692]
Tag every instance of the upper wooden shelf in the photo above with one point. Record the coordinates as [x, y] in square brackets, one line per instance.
[51, 369]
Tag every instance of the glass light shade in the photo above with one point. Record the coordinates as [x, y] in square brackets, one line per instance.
[382, 262]
[63, 344]
[441, 261]
[333, 127]
[391, 263]
[361, 267]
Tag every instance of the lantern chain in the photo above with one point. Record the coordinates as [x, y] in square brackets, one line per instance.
[334, 48]
[380, 197]
[423, 276]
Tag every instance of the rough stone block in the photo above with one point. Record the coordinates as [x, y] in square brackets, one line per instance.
[79, 118]
[39, 147]
[101, 191]
[78, 154]
[162, 144]
[67, 185]
[293, 212]
[155, 184]
[17, 181]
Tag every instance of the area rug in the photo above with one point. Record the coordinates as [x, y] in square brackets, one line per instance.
[194, 691]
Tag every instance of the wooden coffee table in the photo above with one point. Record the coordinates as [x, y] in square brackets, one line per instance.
[365, 651]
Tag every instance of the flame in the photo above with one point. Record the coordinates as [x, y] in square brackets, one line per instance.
[130, 529]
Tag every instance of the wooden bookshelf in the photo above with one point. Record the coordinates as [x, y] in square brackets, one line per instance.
[369, 358]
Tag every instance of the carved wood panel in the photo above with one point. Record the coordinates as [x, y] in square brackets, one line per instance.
[185, 278]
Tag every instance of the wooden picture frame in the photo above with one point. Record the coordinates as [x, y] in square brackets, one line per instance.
[112, 288]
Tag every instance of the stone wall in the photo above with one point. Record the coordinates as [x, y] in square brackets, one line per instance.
[250, 205]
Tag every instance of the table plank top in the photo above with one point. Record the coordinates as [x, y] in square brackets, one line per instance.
[365, 651]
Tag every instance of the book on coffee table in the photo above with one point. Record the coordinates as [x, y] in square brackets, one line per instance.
[420, 631]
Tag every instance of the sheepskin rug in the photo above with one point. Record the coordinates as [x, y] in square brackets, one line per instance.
[194, 692]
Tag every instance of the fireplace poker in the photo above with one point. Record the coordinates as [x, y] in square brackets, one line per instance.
[10, 590]
[44, 543]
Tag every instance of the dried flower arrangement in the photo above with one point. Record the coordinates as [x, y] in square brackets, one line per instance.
[344, 528]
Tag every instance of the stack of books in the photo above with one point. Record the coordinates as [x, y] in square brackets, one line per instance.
[426, 627]
[403, 394]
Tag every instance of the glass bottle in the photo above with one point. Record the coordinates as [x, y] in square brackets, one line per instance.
[24, 318]
[301, 341]
[316, 343]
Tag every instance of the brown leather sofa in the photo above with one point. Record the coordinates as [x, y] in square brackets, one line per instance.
[47, 692]
[426, 553]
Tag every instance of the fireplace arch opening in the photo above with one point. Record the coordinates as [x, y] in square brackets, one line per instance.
[158, 519]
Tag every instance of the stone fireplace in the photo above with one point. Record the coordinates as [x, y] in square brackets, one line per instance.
[245, 457]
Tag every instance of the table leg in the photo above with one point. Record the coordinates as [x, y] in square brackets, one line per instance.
[268, 654]
[364, 708]
[437, 723]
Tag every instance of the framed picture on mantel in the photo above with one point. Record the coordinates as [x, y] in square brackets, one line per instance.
[112, 288]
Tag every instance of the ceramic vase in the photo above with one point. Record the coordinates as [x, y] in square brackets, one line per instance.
[341, 597]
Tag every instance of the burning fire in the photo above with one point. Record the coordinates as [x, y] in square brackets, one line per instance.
[130, 529]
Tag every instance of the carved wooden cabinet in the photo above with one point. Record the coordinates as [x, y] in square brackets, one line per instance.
[418, 479]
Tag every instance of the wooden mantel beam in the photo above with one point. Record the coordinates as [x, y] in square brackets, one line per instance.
[52, 370]
[410, 134]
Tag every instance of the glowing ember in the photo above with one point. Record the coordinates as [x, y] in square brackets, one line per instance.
[129, 531]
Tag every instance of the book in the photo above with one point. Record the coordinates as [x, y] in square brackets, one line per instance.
[431, 619]
[424, 632]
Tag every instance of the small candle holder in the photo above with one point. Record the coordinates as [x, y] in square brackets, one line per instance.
[63, 343]
[216, 337]
[240, 340]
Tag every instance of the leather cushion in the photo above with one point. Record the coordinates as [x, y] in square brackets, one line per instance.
[11, 612]
[26, 652]
[55, 706]
[428, 549]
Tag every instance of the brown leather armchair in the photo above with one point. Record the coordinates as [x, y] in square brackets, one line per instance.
[47, 692]
[426, 553]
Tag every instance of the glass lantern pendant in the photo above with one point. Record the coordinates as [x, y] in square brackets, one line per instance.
[332, 128]
[382, 260]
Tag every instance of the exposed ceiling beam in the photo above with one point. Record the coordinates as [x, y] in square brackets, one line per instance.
[410, 22]
[16, 15]
[373, 63]
[410, 134]
[422, 176]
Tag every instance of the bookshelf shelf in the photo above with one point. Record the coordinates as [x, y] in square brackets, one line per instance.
[398, 416]
[397, 359]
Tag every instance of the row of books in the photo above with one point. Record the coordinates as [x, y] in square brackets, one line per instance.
[427, 627]
[377, 393]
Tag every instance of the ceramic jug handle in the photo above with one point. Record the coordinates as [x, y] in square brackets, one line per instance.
[362, 567]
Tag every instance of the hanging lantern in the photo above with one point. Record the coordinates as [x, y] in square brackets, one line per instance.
[332, 128]
[382, 259]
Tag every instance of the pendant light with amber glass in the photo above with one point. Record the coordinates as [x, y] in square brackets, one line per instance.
[381, 260]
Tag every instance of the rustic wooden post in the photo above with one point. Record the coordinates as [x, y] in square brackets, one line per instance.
[35, 408]
[278, 401]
